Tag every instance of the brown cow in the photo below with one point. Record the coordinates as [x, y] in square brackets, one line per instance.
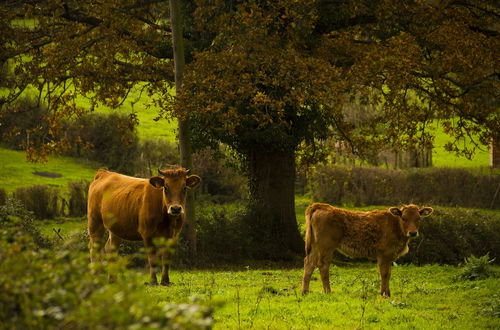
[380, 235]
[138, 209]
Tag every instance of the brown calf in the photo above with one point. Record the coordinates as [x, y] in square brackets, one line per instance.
[379, 235]
[138, 209]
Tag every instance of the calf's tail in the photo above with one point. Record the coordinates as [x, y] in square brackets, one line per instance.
[309, 233]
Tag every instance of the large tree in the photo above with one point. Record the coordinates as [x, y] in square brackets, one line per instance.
[280, 76]
[269, 78]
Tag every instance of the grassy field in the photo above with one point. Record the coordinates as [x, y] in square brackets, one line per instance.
[148, 127]
[443, 158]
[423, 298]
[16, 171]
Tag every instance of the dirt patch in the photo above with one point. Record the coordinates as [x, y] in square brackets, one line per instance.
[48, 174]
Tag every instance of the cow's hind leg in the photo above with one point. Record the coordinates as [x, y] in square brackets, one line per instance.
[310, 263]
[111, 249]
[96, 232]
[113, 243]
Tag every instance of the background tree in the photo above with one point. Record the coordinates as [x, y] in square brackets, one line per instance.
[184, 125]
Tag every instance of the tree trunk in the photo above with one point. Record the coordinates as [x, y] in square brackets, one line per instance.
[184, 126]
[270, 219]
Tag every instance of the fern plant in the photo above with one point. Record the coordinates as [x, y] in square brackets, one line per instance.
[476, 268]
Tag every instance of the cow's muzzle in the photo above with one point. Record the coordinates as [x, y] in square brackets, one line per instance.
[175, 210]
[413, 234]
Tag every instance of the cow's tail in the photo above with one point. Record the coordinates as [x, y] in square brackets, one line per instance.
[309, 232]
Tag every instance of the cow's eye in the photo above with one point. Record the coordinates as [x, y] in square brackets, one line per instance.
[185, 189]
[165, 188]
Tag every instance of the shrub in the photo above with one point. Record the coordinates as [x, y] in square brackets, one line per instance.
[153, 154]
[77, 200]
[3, 196]
[72, 294]
[16, 221]
[22, 123]
[359, 186]
[220, 180]
[449, 236]
[220, 236]
[46, 289]
[42, 200]
[108, 139]
[220, 233]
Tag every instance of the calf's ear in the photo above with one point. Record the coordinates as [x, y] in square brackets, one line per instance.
[425, 211]
[157, 182]
[192, 181]
[395, 211]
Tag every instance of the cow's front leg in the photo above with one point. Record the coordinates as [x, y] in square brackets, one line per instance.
[384, 268]
[151, 251]
[165, 279]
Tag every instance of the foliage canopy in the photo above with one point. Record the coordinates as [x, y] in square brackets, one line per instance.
[276, 73]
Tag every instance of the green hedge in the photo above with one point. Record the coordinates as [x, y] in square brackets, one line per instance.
[77, 198]
[339, 185]
[42, 200]
[3, 196]
[450, 235]
[109, 139]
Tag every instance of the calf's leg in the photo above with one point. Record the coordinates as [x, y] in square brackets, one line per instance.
[384, 268]
[324, 269]
[310, 263]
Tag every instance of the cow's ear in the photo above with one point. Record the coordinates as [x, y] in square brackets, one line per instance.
[157, 182]
[192, 181]
[425, 211]
[395, 211]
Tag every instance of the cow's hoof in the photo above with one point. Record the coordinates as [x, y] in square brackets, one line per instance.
[151, 283]
[166, 283]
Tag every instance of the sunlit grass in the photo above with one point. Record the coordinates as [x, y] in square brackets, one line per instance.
[423, 298]
[65, 227]
[16, 171]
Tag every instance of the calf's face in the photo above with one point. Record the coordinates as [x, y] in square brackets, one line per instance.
[410, 216]
[175, 186]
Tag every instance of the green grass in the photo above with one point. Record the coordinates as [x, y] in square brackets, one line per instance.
[148, 127]
[16, 171]
[443, 158]
[423, 298]
[65, 226]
